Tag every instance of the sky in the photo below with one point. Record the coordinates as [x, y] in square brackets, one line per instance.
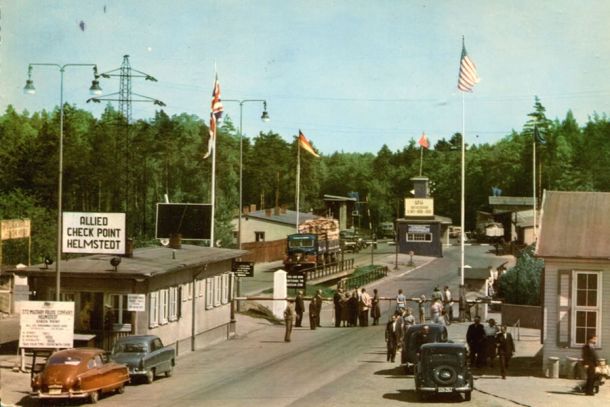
[352, 75]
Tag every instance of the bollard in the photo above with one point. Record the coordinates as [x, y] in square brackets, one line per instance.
[571, 366]
[553, 367]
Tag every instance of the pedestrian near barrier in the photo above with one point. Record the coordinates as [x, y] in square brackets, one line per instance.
[448, 303]
[299, 308]
[337, 297]
[505, 348]
[318, 301]
[436, 311]
[392, 336]
[421, 302]
[401, 300]
[345, 317]
[313, 314]
[375, 309]
[364, 305]
[353, 309]
[491, 330]
[288, 320]
[475, 336]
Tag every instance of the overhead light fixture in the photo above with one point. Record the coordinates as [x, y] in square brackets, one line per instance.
[29, 88]
[265, 116]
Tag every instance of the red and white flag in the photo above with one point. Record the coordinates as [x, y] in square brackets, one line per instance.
[306, 145]
[215, 116]
[423, 141]
[468, 72]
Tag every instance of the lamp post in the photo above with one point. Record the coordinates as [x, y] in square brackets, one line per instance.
[30, 90]
[264, 117]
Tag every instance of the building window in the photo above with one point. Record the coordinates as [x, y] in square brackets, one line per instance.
[586, 296]
[163, 306]
[259, 236]
[225, 288]
[173, 303]
[217, 290]
[201, 284]
[419, 237]
[209, 293]
[153, 309]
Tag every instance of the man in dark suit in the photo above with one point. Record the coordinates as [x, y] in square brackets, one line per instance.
[505, 349]
[590, 360]
[475, 336]
[318, 301]
[313, 314]
[299, 308]
[337, 302]
[392, 336]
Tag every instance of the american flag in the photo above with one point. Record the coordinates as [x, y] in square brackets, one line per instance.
[215, 115]
[468, 72]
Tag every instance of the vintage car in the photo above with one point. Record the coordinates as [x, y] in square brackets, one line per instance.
[78, 373]
[443, 368]
[410, 345]
[145, 356]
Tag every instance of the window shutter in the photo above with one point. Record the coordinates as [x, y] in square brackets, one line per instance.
[564, 290]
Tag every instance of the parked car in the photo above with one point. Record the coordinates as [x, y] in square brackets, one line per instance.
[443, 368]
[79, 373]
[455, 231]
[145, 356]
[410, 345]
[352, 241]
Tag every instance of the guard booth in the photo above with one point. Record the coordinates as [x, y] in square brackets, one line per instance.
[421, 231]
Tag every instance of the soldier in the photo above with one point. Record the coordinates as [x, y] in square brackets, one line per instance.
[288, 319]
[299, 308]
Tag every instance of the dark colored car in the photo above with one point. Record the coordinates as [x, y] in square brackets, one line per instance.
[79, 373]
[411, 342]
[145, 356]
[443, 368]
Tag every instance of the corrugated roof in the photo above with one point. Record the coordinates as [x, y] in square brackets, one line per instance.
[145, 262]
[287, 217]
[575, 225]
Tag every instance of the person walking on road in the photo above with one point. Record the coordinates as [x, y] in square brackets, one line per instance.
[299, 308]
[288, 320]
[375, 309]
[590, 361]
[401, 301]
[505, 348]
[337, 297]
[491, 330]
[392, 336]
[313, 314]
[364, 306]
[475, 336]
[318, 301]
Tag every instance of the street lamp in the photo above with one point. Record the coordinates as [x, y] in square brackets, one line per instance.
[30, 90]
[264, 117]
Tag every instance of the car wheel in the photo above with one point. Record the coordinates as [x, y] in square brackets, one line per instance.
[94, 396]
[121, 389]
[444, 375]
[169, 372]
[421, 396]
[467, 395]
[150, 376]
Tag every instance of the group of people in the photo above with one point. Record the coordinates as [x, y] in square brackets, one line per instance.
[488, 342]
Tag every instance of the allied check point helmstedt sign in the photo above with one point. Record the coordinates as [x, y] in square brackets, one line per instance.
[46, 324]
[93, 233]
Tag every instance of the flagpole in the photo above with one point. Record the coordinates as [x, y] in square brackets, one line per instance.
[534, 183]
[463, 194]
[298, 181]
[421, 159]
[213, 199]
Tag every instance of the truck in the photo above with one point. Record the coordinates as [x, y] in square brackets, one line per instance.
[316, 244]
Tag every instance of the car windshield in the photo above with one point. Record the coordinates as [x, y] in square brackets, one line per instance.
[300, 242]
[64, 360]
[130, 348]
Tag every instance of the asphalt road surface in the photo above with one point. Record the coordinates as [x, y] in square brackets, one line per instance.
[328, 366]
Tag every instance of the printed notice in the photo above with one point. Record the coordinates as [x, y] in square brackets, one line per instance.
[136, 302]
[46, 324]
[93, 233]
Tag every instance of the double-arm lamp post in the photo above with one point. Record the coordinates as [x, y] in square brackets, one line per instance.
[264, 117]
[30, 89]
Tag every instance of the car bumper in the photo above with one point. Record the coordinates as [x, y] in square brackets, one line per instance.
[61, 395]
[447, 389]
[137, 372]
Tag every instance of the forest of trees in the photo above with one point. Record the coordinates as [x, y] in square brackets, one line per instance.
[112, 166]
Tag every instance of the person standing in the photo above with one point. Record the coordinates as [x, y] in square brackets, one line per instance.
[353, 309]
[590, 361]
[318, 301]
[392, 336]
[401, 301]
[436, 294]
[313, 314]
[345, 316]
[337, 302]
[375, 309]
[288, 320]
[436, 310]
[448, 303]
[491, 330]
[364, 306]
[505, 347]
[475, 336]
[421, 302]
[299, 308]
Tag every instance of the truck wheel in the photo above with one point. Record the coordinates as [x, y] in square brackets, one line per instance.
[169, 372]
[467, 395]
[150, 376]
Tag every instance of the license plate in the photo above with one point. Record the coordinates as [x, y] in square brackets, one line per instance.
[445, 389]
[54, 391]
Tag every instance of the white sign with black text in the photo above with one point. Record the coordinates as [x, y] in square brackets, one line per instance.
[93, 232]
[136, 302]
[46, 324]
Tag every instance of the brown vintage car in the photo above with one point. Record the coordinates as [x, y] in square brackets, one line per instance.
[79, 373]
